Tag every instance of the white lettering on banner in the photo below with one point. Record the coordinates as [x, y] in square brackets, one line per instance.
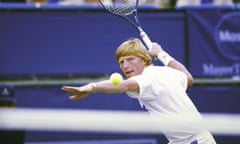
[213, 70]
[227, 36]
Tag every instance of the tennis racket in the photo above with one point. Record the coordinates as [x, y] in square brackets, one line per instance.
[127, 9]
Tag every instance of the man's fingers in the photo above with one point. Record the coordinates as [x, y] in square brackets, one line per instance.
[78, 96]
[70, 89]
[73, 97]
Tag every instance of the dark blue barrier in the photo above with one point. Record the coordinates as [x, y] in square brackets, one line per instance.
[70, 41]
[54, 97]
[216, 99]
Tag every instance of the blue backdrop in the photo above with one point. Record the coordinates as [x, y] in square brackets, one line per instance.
[70, 42]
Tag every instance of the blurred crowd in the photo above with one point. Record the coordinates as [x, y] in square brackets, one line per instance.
[157, 3]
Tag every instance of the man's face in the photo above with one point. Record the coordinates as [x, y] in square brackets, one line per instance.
[131, 65]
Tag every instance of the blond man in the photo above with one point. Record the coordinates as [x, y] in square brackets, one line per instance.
[160, 89]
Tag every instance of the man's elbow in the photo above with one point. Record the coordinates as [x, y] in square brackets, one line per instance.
[190, 80]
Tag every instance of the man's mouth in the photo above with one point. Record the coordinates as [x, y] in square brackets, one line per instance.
[128, 73]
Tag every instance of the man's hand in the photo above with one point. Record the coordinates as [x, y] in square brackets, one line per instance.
[154, 51]
[79, 92]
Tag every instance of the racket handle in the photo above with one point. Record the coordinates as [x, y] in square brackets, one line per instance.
[145, 38]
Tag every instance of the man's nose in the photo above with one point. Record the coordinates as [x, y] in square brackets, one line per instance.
[125, 64]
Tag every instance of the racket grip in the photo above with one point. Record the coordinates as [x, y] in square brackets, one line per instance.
[146, 39]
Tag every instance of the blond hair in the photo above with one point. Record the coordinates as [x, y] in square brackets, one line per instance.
[133, 47]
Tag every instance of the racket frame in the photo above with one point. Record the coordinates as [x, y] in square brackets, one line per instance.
[135, 23]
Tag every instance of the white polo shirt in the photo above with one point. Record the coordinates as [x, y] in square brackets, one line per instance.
[163, 93]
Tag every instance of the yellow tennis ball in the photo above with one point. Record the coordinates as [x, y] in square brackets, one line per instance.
[116, 78]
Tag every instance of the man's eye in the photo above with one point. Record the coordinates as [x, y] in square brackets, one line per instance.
[120, 62]
[130, 59]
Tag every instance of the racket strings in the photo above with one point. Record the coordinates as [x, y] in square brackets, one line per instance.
[120, 7]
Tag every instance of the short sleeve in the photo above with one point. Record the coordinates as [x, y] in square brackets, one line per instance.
[182, 78]
[144, 83]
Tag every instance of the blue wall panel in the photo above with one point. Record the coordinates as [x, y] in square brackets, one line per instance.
[54, 97]
[216, 99]
[70, 42]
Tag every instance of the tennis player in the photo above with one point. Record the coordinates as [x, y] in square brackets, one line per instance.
[160, 89]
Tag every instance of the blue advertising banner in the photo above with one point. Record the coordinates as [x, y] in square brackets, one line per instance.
[214, 42]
